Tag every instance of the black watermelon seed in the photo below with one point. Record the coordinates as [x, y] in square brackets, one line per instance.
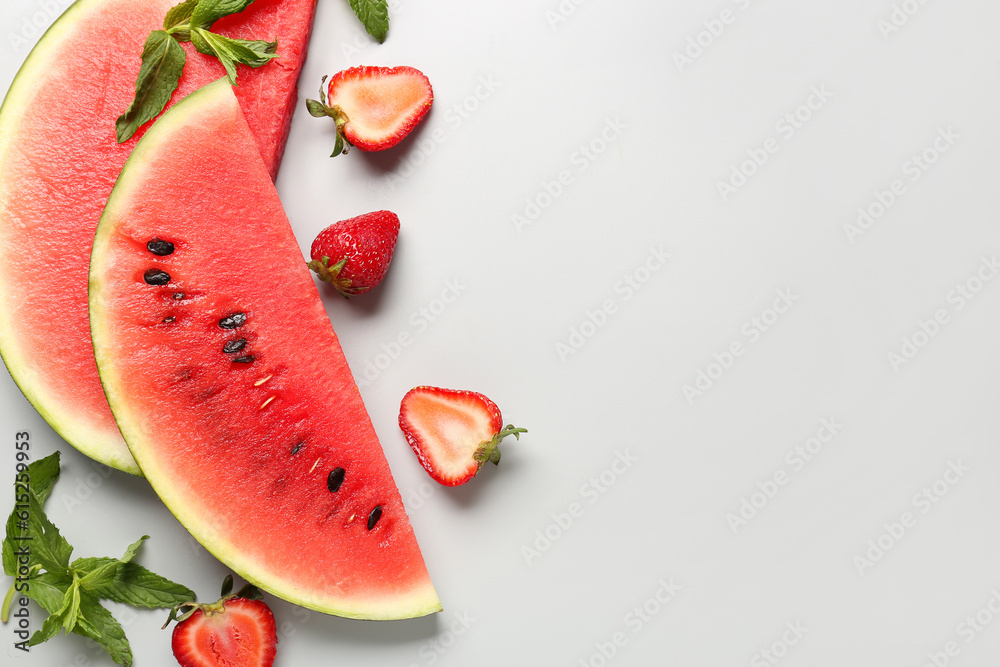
[245, 359]
[335, 479]
[233, 321]
[160, 247]
[178, 296]
[169, 320]
[374, 516]
[156, 277]
[296, 448]
[234, 345]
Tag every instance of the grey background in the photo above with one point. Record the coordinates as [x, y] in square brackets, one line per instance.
[617, 518]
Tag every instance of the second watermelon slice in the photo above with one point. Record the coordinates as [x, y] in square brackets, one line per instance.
[228, 382]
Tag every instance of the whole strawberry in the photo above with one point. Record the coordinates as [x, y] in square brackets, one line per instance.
[354, 254]
[374, 107]
[236, 631]
[453, 432]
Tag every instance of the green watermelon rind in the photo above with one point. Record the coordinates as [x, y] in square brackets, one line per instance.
[74, 429]
[419, 603]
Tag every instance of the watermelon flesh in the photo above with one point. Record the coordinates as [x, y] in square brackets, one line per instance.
[228, 381]
[58, 162]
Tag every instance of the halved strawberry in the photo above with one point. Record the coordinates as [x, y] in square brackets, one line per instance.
[236, 631]
[354, 254]
[453, 432]
[375, 107]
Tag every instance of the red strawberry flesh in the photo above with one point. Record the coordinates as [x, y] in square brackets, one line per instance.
[240, 633]
[381, 104]
[446, 428]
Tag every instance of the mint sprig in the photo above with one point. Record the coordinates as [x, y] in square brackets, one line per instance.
[163, 59]
[37, 556]
[374, 15]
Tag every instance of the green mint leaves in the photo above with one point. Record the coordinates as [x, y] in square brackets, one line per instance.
[374, 15]
[162, 64]
[37, 556]
[163, 58]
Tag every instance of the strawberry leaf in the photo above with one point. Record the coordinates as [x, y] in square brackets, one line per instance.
[338, 145]
[317, 108]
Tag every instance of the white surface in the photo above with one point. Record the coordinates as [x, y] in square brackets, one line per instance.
[607, 76]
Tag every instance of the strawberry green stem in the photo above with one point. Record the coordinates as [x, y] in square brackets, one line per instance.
[487, 451]
[331, 274]
[319, 109]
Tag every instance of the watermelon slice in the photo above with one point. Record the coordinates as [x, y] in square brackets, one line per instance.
[228, 382]
[58, 162]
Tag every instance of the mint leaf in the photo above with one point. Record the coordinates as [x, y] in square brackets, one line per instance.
[44, 474]
[209, 11]
[163, 58]
[162, 64]
[35, 481]
[374, 15]
[16, 542]
[48, 548]
[135, 585]
[129, 583]
[72, 614]
[94, 572]
[252, 53]
[206, 43]
[49, 590]
[50, 627]
[97, 623]
[130, 552]
[179, 14]
[37, 556]
[65, 616]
